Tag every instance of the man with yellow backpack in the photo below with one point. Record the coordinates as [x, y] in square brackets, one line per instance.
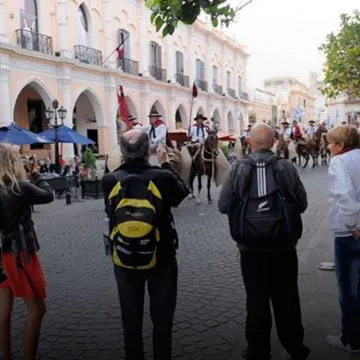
[143, 241]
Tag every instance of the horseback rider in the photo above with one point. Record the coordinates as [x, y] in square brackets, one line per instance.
[158, 134]
[134, 124]
[199, 131]
[247, 148]
[311, 130]
[286, 132]
[296, 132]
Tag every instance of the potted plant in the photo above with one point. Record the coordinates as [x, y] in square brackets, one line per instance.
[91, 186]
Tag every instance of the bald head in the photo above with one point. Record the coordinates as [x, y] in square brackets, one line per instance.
[261, 137]
[135, 145]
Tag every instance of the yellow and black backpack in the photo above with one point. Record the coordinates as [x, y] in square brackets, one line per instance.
[136, 204]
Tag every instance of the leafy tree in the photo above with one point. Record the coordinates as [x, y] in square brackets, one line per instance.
[166, 14]
[342, 50]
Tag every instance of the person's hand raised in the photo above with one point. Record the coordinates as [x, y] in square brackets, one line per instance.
[162, 154]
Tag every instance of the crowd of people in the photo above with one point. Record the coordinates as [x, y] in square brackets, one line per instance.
[263, 198]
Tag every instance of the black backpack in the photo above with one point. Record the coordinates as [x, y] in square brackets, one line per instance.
[261, 216]
[136, 205]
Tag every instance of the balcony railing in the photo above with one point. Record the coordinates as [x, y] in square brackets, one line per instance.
[129, 66]
[202, 84]
[157, 73]
[244, 96]
[33, 41]
[88, 55]
[218, 89]
[231, 92]
[183, 80]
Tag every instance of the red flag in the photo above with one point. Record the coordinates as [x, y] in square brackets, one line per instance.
[123, 121]
[194, 91]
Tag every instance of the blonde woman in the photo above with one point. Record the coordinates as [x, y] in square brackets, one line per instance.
[20, 271]
[344, 216]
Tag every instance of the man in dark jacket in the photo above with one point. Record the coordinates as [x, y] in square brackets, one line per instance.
[269, 272]
[162, 279]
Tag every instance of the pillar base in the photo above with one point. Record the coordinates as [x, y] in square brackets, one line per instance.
[4, 39]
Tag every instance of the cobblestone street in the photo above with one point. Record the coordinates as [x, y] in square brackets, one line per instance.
[83, 319]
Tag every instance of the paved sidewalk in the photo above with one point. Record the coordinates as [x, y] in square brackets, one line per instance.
[321, 314]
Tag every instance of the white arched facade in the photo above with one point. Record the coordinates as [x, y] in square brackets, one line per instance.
[39, 86]
[182, 116]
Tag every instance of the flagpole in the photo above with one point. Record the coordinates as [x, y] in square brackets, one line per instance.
[194, 94]
[191, 110]
[121, 44]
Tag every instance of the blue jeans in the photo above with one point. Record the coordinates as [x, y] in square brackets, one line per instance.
[347, 259]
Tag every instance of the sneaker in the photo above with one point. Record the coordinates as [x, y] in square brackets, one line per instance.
[335, 341]
[304, 354]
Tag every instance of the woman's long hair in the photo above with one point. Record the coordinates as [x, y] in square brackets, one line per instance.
[11, 167]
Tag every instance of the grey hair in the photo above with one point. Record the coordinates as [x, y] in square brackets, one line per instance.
[135, 149]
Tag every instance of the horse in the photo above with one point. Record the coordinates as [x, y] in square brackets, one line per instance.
[312, 147]
[324, 150]
[281, 147]
[203, 163]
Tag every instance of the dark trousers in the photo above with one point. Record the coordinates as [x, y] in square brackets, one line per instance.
[162, 289]
[272, 277]
[347, 257]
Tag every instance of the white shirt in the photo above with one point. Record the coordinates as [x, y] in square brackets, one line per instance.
[344, 193]
[202, 135]
[160, 134]
[311, 130]
[286, 133]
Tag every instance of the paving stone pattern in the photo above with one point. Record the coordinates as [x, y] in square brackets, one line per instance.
[83, 320]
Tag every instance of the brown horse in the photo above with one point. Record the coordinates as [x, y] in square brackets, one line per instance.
[312, 147]
[325, 151]
[203, 163]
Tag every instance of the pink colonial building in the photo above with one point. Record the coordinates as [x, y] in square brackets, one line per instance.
[56, 49]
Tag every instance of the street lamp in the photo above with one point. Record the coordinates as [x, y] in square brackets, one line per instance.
[54, 114]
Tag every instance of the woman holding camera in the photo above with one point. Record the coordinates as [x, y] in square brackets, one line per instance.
[20, 271]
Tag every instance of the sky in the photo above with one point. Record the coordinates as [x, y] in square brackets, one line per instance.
[283, 36]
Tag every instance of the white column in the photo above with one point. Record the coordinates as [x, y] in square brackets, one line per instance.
[209, 68]
[3, 35]
[5, 109]
[63, 29]
[144, 44]
[191, 59]
[109, 45]
[111, 110]
[145, 103]
[170, 60]
[65, 101]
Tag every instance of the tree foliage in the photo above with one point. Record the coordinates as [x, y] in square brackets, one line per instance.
[342, 50]
[166, 14]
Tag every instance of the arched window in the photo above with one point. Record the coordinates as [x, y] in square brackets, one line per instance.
[82, 26]
[29, 16]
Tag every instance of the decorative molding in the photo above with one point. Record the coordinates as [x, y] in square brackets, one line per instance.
[65, 84]
[4, 74]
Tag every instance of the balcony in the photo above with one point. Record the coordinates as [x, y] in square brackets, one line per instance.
[231, 92]
[88, 55]
[129, 66]
[244, 96]
[33, 41]
[183, 80]
[157, 73]
[218, 89]
[202, 84]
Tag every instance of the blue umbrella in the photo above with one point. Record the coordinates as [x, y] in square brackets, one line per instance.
[16, 135]
[67, 135]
